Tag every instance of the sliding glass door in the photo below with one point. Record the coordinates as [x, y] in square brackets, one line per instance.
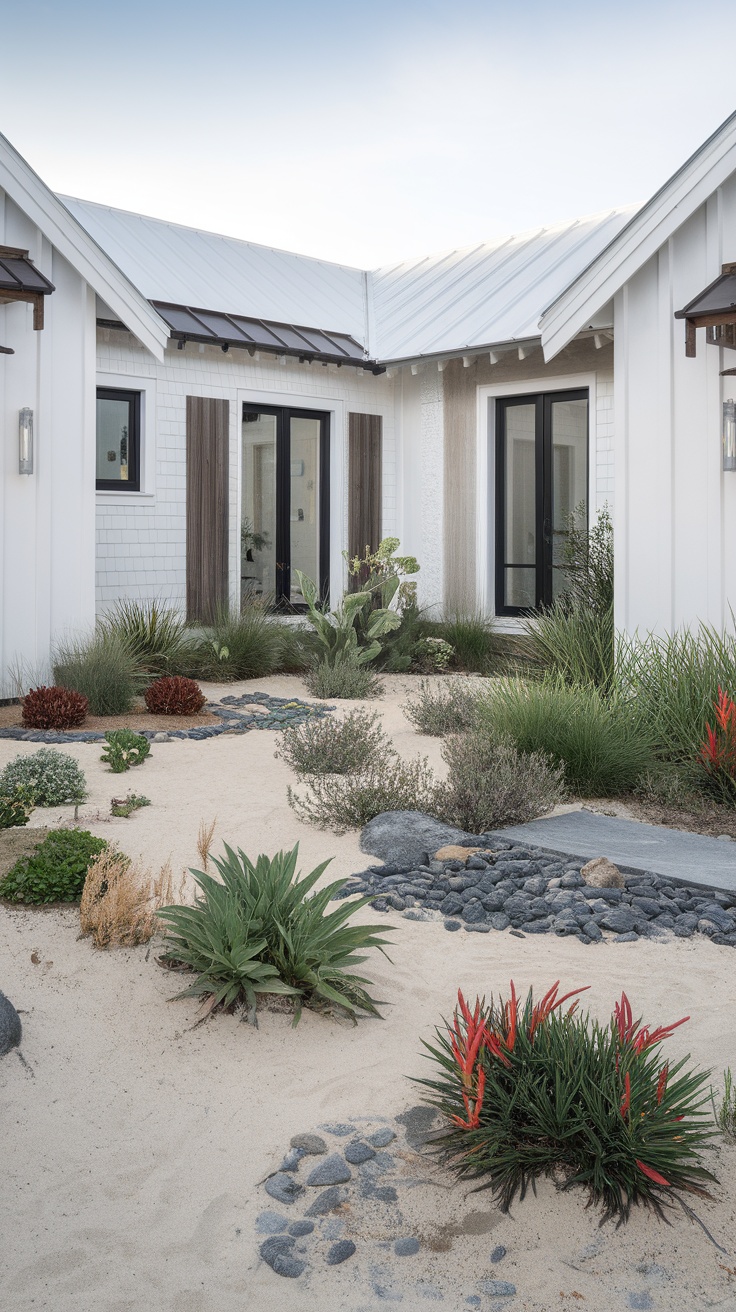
[285, 502]
[541, 482]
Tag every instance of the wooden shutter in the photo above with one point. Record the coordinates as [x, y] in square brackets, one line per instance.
[207, 506]
[364, 484]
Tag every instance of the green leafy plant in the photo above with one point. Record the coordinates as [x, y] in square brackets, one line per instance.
[125, 806]
[53, 708]
[444, 708]
[491, 783]
[124, 749]
[600, 741]
[527, 1091]
[16, 805]
[261, 928]
[385, 574]
[55, 871]
[51, 778]
[432, 655]
[344, 680]
[333, 746]
[251, 540]
[725, 1111]
[102, 668]
[337, 631]
[248, 644]
[341, 802]
[153, 632]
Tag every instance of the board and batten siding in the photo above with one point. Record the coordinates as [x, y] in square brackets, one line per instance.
[675, 530]
[365, 484]
[208, 425]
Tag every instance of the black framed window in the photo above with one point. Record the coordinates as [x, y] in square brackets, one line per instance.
[118, 440]
[285, 503]
[541, 481]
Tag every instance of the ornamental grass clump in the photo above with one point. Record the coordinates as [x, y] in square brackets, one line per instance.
[333, 746]
[154, 633]
[102, 668]
[50, 778]
[260, 928]
[600, 741]
[527, 1090]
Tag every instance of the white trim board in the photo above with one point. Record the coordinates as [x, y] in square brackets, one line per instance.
[485, 506]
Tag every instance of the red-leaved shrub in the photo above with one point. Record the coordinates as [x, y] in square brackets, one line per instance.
[174, 695]
[54, 708]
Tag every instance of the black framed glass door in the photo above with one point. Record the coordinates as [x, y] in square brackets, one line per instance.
[541, 481]
[285, 504]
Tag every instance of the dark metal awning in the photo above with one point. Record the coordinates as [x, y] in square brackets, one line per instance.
[713, 309]
[6, 350]
[214, 328]
[20, 280]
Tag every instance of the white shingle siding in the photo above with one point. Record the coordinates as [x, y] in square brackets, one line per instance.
[603, 453]
[141, 537]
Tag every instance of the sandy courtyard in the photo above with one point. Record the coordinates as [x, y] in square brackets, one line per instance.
[133, 1145]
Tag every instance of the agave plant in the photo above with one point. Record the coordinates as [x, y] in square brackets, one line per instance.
[260, 928]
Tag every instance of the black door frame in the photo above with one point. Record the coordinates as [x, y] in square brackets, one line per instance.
[283, 416]
[543, 402]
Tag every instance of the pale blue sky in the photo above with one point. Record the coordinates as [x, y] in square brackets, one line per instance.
[362, 133]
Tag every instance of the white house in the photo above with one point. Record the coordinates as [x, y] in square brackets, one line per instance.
[209, 415]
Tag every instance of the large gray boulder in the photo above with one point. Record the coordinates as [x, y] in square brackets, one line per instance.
[407, 838]
[10, 1026]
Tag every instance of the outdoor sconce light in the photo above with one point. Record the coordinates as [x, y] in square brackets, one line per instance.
[25, 441]
[729, 434]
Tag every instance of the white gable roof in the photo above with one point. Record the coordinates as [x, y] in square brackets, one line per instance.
[487, 294]
[640, 239]
[48, 212]
[169, 262]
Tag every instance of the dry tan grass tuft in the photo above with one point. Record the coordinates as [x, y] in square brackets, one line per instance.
[204, 841]
[120, 900]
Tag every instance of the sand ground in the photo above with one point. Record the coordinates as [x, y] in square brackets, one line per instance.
[133, 1144]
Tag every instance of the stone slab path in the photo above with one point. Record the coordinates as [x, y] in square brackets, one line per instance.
[633, 846]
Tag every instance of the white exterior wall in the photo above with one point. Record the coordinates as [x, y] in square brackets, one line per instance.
[47, 518]
[675, 516]
[141, 546]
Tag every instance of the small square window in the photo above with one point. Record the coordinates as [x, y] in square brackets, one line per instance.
[118, 440]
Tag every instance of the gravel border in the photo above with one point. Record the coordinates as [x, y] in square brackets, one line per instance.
[281, 711]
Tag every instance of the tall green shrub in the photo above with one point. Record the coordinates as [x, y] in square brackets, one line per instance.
[601, 742]
[102, 668]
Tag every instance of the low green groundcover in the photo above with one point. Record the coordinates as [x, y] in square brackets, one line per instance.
[56, 871]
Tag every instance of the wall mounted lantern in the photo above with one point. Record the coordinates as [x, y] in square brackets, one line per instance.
[25, 441]
[729, 434]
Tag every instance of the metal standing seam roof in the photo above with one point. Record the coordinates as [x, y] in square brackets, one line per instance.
[488, 294]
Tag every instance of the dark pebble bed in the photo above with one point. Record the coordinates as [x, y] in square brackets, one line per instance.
[527, 890]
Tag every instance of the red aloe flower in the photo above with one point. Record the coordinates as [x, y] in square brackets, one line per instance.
[466, 1038]
[549, 1003]
[623, 1017]
[511, 1019]
[644, 1039]
[662, 1083]
[717, 754]
[626, 1102]
[494, 1045]
[473, 1115]
[653, 1175]
[638, 1035]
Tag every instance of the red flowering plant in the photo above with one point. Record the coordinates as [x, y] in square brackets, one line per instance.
[531, 1088]
[717, 753]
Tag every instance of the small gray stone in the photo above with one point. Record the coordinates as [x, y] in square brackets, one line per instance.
[498, 1253]
[10, 1027]
[300, 1228]
[631, 937]
[474, 912]
[276, 1244]
[452, 904]
[340, 1252]
[382, 1138]
[620, 920]
[499, 920]
[406, 1247]
[161, 738]
[340, 1128]
[452, 925]
[498, 1288]
[311, 1144]
[327, 1201]
[292, 1160]
[333, 1170]
[592, 931]
[355, 1153]
[283, 1188]
[277, 1253]
[270, 1223]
